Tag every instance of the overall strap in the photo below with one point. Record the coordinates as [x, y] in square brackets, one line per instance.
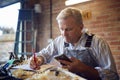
[89, 40]
[66, 44]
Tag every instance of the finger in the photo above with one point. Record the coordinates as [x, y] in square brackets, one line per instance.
[73, 59]
[32, 66]
[38, 67]
[65, 67]
[32, 63]
[39, 61]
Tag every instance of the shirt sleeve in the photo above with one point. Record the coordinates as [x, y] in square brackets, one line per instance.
[54, 48]
[48, 52]
[107, 69]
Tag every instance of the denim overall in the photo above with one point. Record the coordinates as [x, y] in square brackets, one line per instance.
[86, 56]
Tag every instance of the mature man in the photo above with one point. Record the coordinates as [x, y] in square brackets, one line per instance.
[90, 55]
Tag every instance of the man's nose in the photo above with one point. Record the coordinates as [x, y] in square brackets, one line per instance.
[64, 33]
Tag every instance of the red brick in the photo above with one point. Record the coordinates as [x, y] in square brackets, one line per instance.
[118, 47]
[114, 5]
[117, 57]
[115, 52]
[115, 43]
[117, 33]
[102, 17]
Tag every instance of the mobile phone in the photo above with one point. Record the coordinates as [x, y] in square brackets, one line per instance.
[62, 57]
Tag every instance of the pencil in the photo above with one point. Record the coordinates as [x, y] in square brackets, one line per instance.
[34, 55]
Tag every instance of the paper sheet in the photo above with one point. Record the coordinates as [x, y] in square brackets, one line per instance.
[24, 66]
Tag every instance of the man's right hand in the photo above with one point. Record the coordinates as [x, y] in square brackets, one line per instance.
[36, 65]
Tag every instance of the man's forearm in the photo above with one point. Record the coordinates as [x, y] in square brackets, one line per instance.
[91, 74]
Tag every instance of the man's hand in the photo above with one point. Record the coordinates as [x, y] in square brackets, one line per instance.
[76, 66]
[36, 65]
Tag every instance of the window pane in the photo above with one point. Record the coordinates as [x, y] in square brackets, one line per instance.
[8, 25]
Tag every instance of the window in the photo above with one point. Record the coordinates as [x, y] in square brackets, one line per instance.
[8, 25]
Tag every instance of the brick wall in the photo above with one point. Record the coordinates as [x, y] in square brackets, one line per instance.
[104, 21]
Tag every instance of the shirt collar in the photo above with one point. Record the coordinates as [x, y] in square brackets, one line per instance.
[77, 46]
